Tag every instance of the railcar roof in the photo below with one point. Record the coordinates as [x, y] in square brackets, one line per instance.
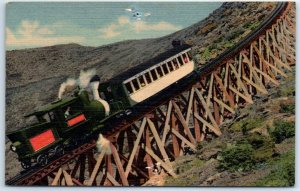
[143, 66]
[53, 105]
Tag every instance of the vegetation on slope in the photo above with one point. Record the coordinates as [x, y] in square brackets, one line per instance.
[257, 147]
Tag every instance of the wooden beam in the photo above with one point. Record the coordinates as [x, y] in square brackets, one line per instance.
[189, 108]
[96, 169]
[109, 169]
[167, 121]
[174, 138]
[278, 60]
[223, 105]
[119, 165]
[77, 182]
[134, 167]
[196, 123]
[268, 64]
[240, 94]
[241, 84]
[214, 127]
[215, 130]
[168, 168]
[68, 179]
[57, 177]
[255, 75]
[191, 145]
[158, 141]
[112, 179]
[222, 87]
[267, 76]
[184, 123]
[136, 144]
[255, 85]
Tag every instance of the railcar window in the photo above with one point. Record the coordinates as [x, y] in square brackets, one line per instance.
[135, 84]
[185, 58]
[175, 63]
[52, 116]
[180, 60]
[153, 73]
[46, 118]
[142, 81]
[129, 88]
[189, 55]
[165, 68]
[68, 111]
[148, 78]
[159, 71]
[170, 66]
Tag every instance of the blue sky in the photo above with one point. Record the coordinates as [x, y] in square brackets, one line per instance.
[35, 24]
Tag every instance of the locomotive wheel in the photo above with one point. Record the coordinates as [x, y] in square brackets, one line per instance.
[42, 160]
[59, 150]
[26, 164]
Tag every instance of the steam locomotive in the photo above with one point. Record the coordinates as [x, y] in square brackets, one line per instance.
[70, 121]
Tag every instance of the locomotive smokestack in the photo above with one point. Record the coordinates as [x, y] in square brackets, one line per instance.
[94, 84]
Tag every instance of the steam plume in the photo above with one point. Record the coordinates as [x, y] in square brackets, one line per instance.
[68, 85]
[85, 77]
[82, 82]
[103, 145]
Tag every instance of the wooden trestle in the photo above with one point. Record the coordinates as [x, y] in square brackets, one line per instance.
[150, 144]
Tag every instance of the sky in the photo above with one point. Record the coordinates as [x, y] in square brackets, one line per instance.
[36, 24]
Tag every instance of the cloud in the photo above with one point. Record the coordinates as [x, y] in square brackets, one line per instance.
[123, 20]
[32, 34]
[140, 26]
[110, 31]
[124, 25]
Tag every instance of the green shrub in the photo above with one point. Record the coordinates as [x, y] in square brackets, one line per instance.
[283, 173]
[246, 125]
[282, 130]
[286, 91]
[206, 54]
[256, 140]
[287, 108]
[237, 157]
[263, 145]
[250, 25]
[254, 25]
[228, 44]
[234, 34]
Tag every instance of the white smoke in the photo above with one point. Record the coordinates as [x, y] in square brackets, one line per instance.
[67, 86]
[83, 82]
[85, 77]
[103, 144]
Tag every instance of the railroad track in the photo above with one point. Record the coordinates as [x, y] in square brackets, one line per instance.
[34, 176]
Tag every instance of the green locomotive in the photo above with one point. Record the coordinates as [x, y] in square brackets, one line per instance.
[71, 121]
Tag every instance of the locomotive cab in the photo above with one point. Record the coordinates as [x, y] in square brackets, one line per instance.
[114, 95]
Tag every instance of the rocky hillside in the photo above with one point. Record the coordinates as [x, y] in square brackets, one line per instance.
[33, 76]
[257, 147]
